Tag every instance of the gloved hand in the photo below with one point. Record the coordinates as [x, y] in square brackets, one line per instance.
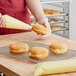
[44, 22]
[2, 21]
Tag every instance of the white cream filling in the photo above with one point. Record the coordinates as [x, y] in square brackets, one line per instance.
[36, 55]
[22, 50]
[58, 51]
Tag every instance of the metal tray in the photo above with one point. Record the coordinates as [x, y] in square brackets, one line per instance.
[58, 22]
[52, 15]
[53, 1]
[52, 57]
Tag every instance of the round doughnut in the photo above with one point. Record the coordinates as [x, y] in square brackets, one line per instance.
[58, 48]
[40, 29]
[18, 48]
[38, 53]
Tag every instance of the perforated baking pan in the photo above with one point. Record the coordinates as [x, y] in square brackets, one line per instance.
[52, 57]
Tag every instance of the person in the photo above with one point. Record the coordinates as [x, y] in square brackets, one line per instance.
[19, 10]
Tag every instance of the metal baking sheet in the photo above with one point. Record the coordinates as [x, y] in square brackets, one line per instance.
[52, 57]
[51, 15]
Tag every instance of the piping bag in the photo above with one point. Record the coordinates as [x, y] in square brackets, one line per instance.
[55, 67]
[10, 22]
[2, 21]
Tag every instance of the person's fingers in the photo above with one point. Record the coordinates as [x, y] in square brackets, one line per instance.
[3, 23]
[0, 14]
[0, 21]
[44, 22]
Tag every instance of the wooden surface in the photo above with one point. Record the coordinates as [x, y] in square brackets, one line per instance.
[17, 67]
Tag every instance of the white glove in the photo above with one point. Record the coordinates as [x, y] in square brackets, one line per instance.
[44, 22]
[2, 21]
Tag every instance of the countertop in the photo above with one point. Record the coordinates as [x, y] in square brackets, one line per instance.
[17, 67]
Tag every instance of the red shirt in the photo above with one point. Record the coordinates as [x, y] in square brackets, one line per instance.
[16, 9]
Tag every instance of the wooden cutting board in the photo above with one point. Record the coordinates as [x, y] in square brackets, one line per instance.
[25, 68]
[17, 67]
[24, 64]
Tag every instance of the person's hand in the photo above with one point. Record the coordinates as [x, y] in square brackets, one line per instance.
[44, 22]
[2, 21]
